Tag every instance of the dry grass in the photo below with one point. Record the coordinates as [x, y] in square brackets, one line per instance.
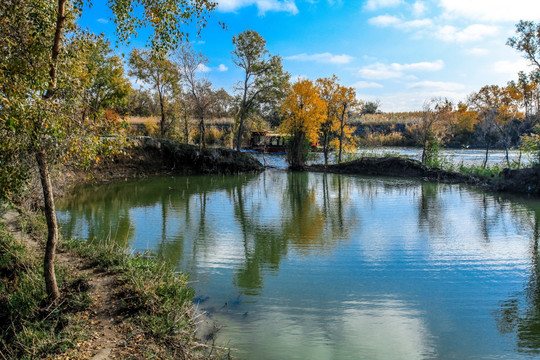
[155, 119]
[388, 118]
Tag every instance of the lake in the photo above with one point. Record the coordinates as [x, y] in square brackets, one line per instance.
[323, 266]
[454, 156]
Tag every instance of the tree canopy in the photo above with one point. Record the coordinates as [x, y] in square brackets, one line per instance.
[264, 78]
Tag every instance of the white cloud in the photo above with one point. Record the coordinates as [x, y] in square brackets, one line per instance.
[385, 20]
[436, 86]
[222, 68]
[203, 68]
[511, 68]
[475, 32]
[326, 58]
[263, 6]
[449, 33]
[383, 71]
[419, 8]
[373, 5]
[393, 21]
[491, 10]
[478, 51]
[367, 85]
[102, 21]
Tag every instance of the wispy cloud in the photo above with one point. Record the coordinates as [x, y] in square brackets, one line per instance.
[326, 58]
[102, 21]
[436, 86]
[491, 10]
[222, 68]
[372, 5]
[263, 6]
[367, 85]
[380, 71]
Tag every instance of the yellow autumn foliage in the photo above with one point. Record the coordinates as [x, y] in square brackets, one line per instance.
[303, 111]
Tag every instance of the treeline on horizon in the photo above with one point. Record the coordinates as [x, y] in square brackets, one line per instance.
[178, 101]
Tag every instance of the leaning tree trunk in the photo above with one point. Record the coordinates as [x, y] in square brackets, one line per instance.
[41, 159]
[240, 131]
[52, 238]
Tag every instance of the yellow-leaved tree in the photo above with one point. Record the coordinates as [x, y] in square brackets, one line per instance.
[328, 91]
[303, 111]
[346, 104]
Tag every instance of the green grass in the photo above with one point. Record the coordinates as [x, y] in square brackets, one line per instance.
[30, 327]
[156, 299]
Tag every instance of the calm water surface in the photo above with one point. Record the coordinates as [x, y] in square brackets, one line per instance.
[315, 266]
[455, 156]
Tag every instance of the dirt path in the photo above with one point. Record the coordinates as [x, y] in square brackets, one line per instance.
[107, 340]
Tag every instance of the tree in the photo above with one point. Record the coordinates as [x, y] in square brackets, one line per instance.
[264, 78]
[198, 89]
[40, 85]
[223, 105]
[486, 103]
[527, 41]
[141, 102]
[347, 102]
[437, 114]
[371, 107]
[465, 122]
[157, 71]
[108, 87]
[328, 91]
[303, 111]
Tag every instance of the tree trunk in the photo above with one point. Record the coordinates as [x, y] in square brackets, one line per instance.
[341, 135]
[52, 238]
[41, 159]
[340, 144]
[162, 108]
[486, 158]
[240, 130]
[424, 154]
[186, 128]
[202, 141]
[297, 156]
[325, 148]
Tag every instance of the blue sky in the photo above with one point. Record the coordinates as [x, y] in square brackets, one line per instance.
[401, 52]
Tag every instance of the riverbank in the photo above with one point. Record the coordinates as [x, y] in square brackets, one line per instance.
[113, 304]
[524, 181]
[148, 156]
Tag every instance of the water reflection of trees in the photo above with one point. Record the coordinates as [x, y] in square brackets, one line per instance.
[277, 212]
[310, 216]
[520, 314]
